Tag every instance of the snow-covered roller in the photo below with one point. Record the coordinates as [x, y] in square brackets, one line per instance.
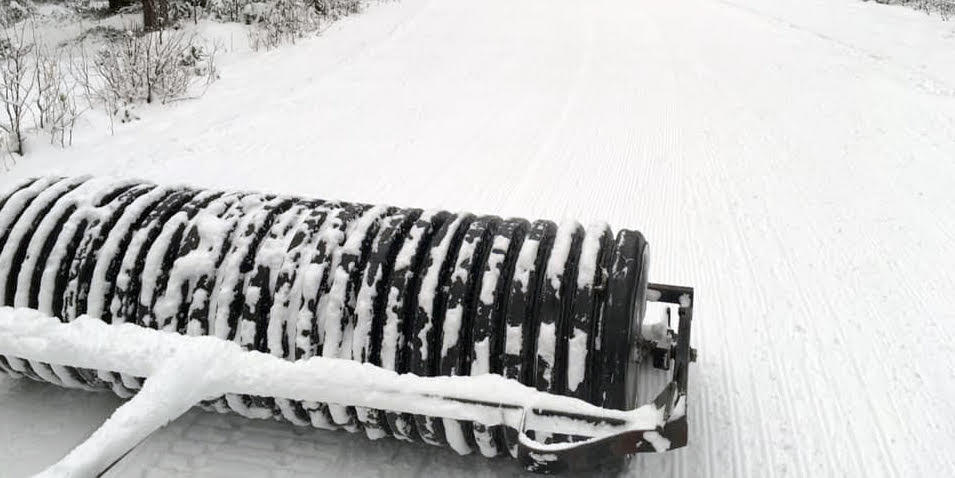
[557, 310]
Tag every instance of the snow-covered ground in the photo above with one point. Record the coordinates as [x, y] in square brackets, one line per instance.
[794, 161]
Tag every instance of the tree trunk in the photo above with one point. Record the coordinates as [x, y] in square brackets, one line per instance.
[155, 14]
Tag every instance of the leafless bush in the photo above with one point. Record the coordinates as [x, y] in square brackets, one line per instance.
[227, 10]
[57, 106]
[944, 8]
[55, 86]
[47, 77]
[16, 84]
[7, 156]
[336, 9]
[252, 11]
[136, 68]
[160, 66]
[64, 110]
[284, 21]
[82, 72]
[102, 32]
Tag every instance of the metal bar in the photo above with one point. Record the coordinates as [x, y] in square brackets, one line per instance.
[139, 351]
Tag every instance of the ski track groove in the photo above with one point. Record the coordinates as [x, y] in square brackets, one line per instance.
[790, 382]
[716, 176]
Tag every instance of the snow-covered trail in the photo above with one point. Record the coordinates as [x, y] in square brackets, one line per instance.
[794, 161]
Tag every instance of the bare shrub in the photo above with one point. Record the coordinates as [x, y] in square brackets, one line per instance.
[227, 10]
[7, 159]
[64, 112]
[105, 33]
[159, 66]
[16, 84]
[47, 78]
[82, 72]
[336, 9]
[180, 10]
[944, 8]
[284, 21]
[57, 108]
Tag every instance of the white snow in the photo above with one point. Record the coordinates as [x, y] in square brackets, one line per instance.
[84, 210]
[23, 228]
[482, 355]
[492, 272]
[454, 316]
[586, 274]
[512, 340]
[576, 358]
[40, 236]
[429, 282]
[330, 236]
[364, 311]
[659, 443]
[455, 436]
[547, 348]
[589, 249]
[272, 254]
[554, 274]
[19, 201]
[133, 212]
[16, 235]
[525, 263]
[332, 306]
[558, 254]
[27, 268]
[406, 254]
[339, 323]
[255, 211]
[791, 160]
[656, 321]
[485, 443]
[283, 316]
[189, 266]
[392, 340]
[90, 247]
[451, 329]
[154, 265]
[212, 233]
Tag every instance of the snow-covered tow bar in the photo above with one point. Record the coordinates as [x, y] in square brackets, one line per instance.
[489, 335]
[181, 371]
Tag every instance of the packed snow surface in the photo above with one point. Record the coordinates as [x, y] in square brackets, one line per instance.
[793, 161]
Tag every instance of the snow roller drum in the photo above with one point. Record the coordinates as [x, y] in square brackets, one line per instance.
[527, 338]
